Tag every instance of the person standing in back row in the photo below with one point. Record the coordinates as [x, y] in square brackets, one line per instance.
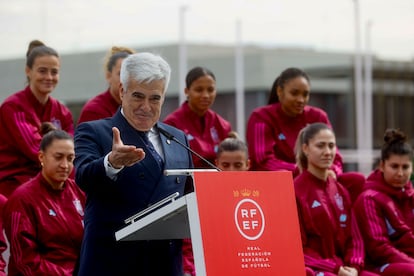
[107, 103]
[272, 130]
[23, 114]
[204, 128]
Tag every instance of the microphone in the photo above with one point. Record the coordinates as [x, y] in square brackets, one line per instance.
[172, 137]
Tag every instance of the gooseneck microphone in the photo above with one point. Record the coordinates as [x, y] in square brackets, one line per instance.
[172, 137]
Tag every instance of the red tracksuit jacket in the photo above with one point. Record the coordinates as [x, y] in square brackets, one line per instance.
[100, 107]
[271, 136]
[386, 218]
[44, 228]
[21, 115]
[330, 234]
[205, 140]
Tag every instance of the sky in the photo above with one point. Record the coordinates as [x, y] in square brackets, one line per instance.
[72, 26]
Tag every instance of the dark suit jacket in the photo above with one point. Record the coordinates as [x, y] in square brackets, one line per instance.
[110, 202]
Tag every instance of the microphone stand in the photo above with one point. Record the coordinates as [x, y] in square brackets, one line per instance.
[172, 137]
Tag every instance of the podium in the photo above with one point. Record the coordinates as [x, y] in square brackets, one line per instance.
[240, 223]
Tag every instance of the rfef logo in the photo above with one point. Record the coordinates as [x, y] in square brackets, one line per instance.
[249, 219]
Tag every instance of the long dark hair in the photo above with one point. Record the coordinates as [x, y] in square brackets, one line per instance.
[115, 53]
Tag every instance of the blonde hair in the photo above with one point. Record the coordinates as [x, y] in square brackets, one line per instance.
[115, 53]
[233, 134]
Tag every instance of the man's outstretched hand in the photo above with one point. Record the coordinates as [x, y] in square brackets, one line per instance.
[123, 155]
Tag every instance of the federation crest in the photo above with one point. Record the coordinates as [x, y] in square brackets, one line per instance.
[78, 207]
[56, 122]
[339, 201]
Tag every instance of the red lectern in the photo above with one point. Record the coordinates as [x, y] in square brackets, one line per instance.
[240, 223]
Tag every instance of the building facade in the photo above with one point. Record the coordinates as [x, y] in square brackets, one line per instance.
[331, 74]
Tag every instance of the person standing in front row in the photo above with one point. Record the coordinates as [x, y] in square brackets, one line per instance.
[385, 210]
[204, 128]
[43, 218]
[107, 103]
[232, 154]
[22, 115]
[119, 164]
[331, 241]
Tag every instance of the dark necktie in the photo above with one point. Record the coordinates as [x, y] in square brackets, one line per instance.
[151, 149]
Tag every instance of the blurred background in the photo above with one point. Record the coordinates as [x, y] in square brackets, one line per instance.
[78, 25]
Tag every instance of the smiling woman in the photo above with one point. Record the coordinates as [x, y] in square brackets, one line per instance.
[23, 113]
[272, 129]
[204, 128]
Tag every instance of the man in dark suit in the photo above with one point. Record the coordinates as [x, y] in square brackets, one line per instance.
[119, 164]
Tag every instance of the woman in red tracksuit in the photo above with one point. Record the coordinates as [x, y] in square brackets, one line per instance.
[43, 218]
[205, 129]
[385, 210]
[272, 130]
[22, 115]
[107, 103]
[3, 243]
[331, 240]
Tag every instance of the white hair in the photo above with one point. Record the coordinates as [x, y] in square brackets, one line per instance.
[144, 68]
